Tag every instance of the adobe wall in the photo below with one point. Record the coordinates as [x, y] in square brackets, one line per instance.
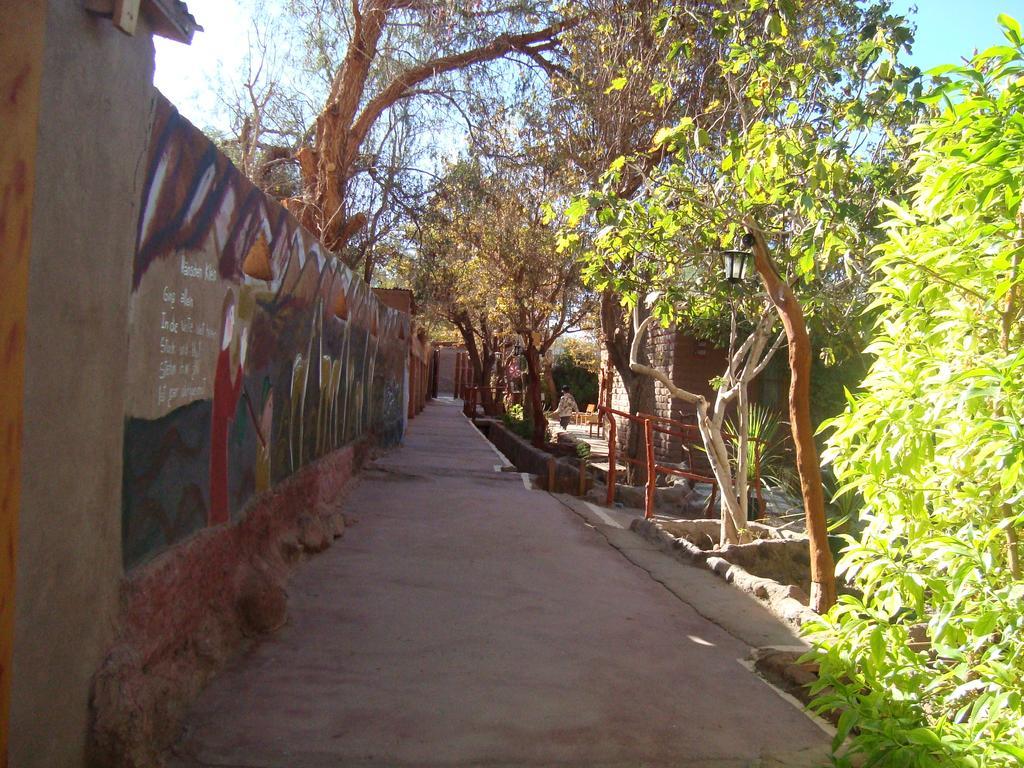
[236, 381]
[95, 111]
[448, 366]
[420, 351]
[201, 381]
[258, 369]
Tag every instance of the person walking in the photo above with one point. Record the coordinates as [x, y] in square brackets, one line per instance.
[566, 407]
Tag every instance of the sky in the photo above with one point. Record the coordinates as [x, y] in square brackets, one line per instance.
[188, 75]
[948, 30]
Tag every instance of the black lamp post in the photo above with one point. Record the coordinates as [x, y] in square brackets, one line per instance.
[735, 262]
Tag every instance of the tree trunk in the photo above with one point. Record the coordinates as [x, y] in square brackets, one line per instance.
[550, 388]
[533, 392]
[823, 577]
[617, 334]
[477, 360]
[639, 399]
[486, 370]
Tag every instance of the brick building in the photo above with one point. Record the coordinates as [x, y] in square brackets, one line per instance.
[691, 364]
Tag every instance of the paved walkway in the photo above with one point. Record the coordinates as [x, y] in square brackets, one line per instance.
[468, 621]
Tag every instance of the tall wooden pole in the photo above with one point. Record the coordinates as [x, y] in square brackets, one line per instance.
[21, 62]
[823, 569]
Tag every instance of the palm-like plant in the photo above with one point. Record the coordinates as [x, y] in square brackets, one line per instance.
[768, 459]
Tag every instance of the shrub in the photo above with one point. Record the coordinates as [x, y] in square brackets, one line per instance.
[767, 444]
[515, 419]
[927, 665]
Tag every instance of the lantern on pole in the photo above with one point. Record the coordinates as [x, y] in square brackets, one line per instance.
[735, 262]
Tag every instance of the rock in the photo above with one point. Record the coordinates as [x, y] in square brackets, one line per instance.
[262, 604]
[785, 670]
[631, 496]
[291, 549]
[336, 525]
[564, 438]
[312, 534]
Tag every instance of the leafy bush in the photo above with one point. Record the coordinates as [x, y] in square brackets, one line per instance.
[777, 467]
[927, 666]
[578, 375]
[515, 419]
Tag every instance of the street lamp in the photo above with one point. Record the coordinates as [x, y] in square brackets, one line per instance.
[735, 262]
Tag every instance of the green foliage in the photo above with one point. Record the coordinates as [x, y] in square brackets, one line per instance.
[766, 444]
[831, 379]
[805, 136]
[515, 419]
[576, 366]
[583, 450]
[927, 664]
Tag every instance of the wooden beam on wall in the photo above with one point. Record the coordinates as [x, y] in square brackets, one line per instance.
[126, 15]
[21, 64]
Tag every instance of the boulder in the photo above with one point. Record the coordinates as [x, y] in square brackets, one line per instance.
[313, 534]
[262, 604]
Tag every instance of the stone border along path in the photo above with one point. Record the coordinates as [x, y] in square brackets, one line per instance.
[468, 621]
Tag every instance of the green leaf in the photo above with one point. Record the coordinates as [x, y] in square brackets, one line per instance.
[1012, 27]
[806, 264]
[617, 84]
[925, 737]
[577, 210]
[1010, 749]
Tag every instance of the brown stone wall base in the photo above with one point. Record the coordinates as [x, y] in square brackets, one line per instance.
[188, 611]
[534, 461]
[684, 540]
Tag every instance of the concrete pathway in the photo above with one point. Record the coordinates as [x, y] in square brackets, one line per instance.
[468, 621]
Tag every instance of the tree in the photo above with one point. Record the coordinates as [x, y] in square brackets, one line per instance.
[268, 105]
[925, 659]
[294, 49]
[340, 102]
[450, 275]
[635, 68]
[487, 243]
[794, 153]
[329, 162]
[623, 79]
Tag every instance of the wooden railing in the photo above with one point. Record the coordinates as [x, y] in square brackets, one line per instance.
[690, 437]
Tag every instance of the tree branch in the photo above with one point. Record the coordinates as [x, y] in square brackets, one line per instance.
[496, 48]
[654, 373]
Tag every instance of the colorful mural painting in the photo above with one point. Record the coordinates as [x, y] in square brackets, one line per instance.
[252, 352]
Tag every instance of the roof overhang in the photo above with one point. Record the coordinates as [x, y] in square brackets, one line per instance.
[167, 18]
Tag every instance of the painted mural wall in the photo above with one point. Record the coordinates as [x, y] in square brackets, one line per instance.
[251, 351]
